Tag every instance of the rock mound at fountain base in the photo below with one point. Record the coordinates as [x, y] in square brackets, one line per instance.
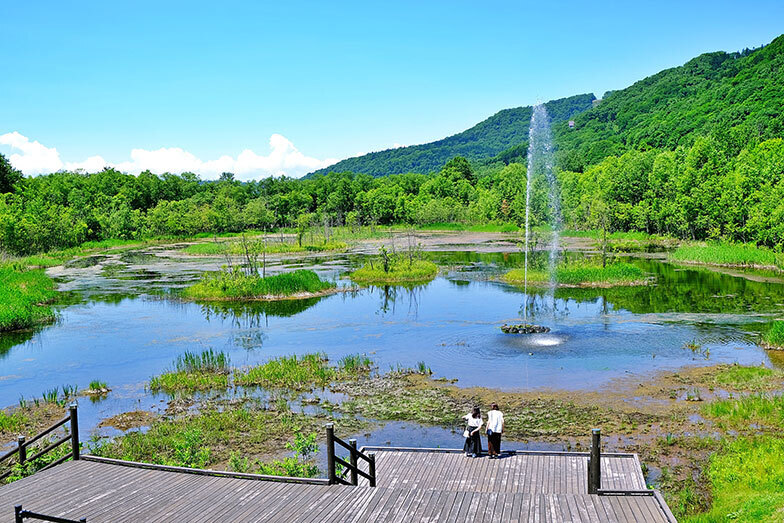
[524, 328]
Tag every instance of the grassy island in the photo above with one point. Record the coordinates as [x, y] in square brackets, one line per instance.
[24, 298]
[774, 338]
[237, 285]
[235, 248]
[582, 274]
[744, 255]
[395, 271]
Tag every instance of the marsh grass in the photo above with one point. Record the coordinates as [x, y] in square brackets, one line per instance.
[235, 248]
[12, 422]
[401, 270]
[775, 335]
[729, 254]
[355, 364]
[236, 285]
[25, 296]
[193, 372]
[290, 372]
[582, 273]
[737, 377]
[761, 410]
[97, 386]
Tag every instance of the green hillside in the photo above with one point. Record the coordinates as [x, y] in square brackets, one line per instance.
[735, 97]
[505, 130]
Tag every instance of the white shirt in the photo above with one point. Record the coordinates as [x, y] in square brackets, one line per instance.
[473, 422]
[495, 420]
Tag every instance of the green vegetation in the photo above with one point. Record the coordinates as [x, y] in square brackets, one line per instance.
[217, 436]
[235, 248]
[24, 295]
[191, 372]
[97, 386]
[737, 377]
[290, 372]
[763, 410]
[583, 274]
[775, 335]
[502, 137]
[729, 254]
[395, 270]
[32, 466]
[11, 422]
[237, 285]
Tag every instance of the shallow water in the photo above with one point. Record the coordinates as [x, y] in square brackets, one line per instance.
[123, 330]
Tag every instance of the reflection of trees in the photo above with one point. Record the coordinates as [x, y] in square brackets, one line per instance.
[685, 290]
[392, 294]
[9, 340]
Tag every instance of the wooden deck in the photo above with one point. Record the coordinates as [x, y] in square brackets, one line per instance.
[412, 486]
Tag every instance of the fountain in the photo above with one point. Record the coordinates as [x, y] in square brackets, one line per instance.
[540, 160]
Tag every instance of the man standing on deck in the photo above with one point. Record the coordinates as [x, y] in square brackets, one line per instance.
[495, 426]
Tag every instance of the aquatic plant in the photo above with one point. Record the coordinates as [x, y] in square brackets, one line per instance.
[353, 364]
[194, 371]
[290, 372]
[235, 284]
[729, 254]
[422, 368]
[24, 297]
[11, 422]
[272, 247]
[775, 335]
[97, 386]
[582, 273]
[398, 270]
[764, 410]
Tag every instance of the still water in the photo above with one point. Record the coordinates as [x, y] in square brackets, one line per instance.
[123, 326]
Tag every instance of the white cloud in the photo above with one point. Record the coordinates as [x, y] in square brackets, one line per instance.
[283, 158]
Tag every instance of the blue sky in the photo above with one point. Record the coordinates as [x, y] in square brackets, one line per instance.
[325, 80]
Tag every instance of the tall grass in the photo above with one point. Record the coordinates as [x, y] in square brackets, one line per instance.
[747, 378]
[775, 335]
[760, 409]
[354, 364]
[583, 274]
[236, 248]
[24, 298]
[729, 254]
[194, 371]
[11, 422]
[400, 271]
[290, 372]
[236, 285]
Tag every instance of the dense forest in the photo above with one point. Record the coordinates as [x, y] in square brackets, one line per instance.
[694, 151]
[504, 135]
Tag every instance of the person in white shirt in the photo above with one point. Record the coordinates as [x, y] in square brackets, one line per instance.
[473, 442]
[495, 427]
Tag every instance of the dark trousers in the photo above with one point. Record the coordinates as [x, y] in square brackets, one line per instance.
[494, 443]
[473, 444]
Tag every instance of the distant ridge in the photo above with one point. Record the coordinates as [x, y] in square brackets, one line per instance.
[505, 130]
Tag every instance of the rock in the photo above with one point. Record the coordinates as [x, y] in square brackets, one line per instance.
[524, 328]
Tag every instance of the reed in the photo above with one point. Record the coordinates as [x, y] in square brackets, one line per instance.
[194, 372]
[729, 254]
[236, 285]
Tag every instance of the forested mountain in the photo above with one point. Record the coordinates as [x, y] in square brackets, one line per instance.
[504, 130]
[737, 98]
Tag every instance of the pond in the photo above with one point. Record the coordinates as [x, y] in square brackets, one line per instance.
[122, 325]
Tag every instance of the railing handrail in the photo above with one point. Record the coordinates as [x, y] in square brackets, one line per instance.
[351, 467]
[22, 444]
[20, 515]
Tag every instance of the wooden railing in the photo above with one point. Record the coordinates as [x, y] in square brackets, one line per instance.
[22, 445]
[20, 515]
[350, 468]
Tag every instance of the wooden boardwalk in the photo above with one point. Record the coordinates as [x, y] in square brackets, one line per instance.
[412, 486]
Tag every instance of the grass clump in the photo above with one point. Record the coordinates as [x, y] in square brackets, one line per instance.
[747, 481]
[582, 274]
[11, 422]
[762, 410]
[236, 285]
[236, 248]
[729, 254]
[192, 372]
[774, 338]
[354, 364]
[290, 372]
[737, 377]
[398, 270]
[24, 295]
[97, 386]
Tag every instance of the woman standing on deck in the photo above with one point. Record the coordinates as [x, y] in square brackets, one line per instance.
[473, 442]
[495, 427]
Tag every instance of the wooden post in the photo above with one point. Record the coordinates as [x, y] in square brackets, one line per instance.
[74, 431]
[331, 454]
[18, 514]
[20, 443]
[372, 468]
[595, 463]
[353, 459]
